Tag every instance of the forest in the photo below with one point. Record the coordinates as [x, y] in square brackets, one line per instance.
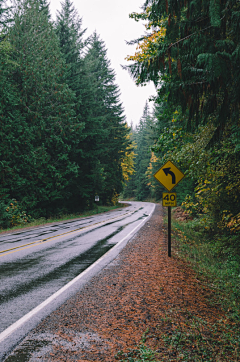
[65, 139]
[191, 51]
[64, 136]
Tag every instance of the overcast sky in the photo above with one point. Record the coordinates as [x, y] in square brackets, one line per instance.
[110, 19]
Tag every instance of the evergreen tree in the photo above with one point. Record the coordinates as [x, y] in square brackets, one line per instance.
[64, 136]
[70, 34]
[192, 54]
[129, 190]
[128, 161]
[42, 176]
[144, 137]
[44, 6]
[5, 18]
[12, 124]
[105, 128]
[193, 51]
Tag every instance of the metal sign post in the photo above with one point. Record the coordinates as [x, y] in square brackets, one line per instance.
[169, 231]
[169, 176]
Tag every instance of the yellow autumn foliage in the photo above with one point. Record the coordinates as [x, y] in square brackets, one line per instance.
[148, 47]
[127, 163]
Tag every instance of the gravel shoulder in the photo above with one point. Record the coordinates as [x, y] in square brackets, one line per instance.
[132, 295]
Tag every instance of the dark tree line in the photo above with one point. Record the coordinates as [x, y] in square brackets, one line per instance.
[63, 133]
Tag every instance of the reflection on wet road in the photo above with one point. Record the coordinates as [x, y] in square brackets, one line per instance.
[36, 263]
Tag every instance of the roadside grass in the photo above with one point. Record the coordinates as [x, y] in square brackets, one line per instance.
[43, 221]
[199, 340]
[141, 353]
[181, 335]
[216, 266]
[195, 340]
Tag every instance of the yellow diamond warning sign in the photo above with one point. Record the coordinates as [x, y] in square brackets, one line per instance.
[169, 175]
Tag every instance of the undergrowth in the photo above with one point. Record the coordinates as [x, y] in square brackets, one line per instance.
[214, 260]
[182, 336]
[42, 221]
[194, 340]
[141, 353]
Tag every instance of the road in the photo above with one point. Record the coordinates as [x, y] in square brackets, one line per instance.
[36, 263]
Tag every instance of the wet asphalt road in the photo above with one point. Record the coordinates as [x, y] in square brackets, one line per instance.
[36, 263]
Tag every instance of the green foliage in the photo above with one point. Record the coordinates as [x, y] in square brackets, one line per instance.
[203, 341]
[217, 192]
[191, 53]
[11, 121]
[106, 133]
[70, 34]
[44, 168]
[5, 19]
[140, 354]
[217, 269]
[12, 214]
[196, 61]
[140, 183]
[5, 217]
[216, 259]
[144, 140]
[172, 144]
[62, 130]
[215, 12]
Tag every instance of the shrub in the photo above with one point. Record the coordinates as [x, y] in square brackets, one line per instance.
[12, 214]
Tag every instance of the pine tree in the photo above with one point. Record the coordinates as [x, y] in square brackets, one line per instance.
[42, 177]
[70, 34]
[129, 190]
[5, 18]
[12, 123]
[193, 51]
[44, 6]
[139, 185]
[105, 126]
[192, 54]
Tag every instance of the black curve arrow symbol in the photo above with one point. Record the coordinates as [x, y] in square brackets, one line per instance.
[168, 172]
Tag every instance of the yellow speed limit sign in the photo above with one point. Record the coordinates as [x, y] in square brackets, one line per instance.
[169, 199]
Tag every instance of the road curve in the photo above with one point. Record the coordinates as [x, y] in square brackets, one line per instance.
[41, 268]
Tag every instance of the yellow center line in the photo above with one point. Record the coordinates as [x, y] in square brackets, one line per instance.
[43, 241]
[30, 246]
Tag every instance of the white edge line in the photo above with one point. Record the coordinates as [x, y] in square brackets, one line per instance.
[34, 311]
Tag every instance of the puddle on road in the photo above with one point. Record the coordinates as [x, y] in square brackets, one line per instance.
[24, 353]
[43, 345]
